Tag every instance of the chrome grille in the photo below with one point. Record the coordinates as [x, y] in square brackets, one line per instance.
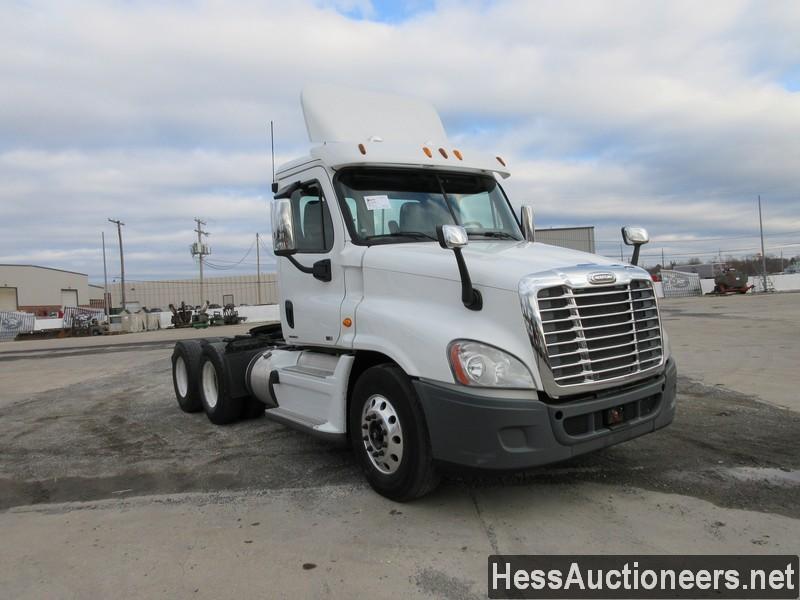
[597, 333]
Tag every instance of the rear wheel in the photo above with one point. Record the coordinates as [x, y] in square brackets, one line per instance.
[220, 406]
[186, 373]
[389, 435]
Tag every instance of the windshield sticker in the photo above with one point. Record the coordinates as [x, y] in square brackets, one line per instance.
[377, 202]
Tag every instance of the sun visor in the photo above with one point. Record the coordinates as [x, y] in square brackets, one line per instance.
[340, 114]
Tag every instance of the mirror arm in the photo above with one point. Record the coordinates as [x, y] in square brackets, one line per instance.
[320, 270]
[300, 267]
[471, 297]
[635, 257]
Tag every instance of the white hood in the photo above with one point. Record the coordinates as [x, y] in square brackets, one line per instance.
[498, 264]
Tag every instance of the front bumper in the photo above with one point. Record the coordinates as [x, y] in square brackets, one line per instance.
[495, 433]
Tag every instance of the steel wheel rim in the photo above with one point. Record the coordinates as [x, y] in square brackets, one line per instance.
[210, 391]
[181, 377]
[382, 434]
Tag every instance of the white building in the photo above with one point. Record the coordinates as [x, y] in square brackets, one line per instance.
[42, 290]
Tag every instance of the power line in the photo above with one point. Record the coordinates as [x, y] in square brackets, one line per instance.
[714, 251]
[714, 239]
[233, 265]
[205, 283]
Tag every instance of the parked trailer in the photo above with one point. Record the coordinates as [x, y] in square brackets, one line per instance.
[421, 322]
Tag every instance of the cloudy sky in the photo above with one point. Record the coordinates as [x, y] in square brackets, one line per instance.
[671, 115]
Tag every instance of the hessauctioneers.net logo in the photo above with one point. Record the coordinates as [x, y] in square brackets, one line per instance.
[629, 576]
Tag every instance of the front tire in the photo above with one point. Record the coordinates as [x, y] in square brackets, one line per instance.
[389, 435]
[220, 406]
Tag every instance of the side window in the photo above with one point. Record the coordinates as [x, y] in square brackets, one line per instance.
[312, 221]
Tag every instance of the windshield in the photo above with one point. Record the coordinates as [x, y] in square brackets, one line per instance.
[394, 205]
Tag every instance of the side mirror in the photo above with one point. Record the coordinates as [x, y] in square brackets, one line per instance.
[452, 236]
[526, 218]
[283, 239]
[636, 237]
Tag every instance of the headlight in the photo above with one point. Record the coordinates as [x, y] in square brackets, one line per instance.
[482, 365]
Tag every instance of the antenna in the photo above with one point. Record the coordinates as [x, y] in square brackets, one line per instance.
[272, 148]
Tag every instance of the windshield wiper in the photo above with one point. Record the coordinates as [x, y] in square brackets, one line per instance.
[503, 235]
[409, 234]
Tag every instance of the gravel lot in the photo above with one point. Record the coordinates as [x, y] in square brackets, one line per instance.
[107, 489]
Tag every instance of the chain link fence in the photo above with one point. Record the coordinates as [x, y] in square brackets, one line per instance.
[13, 323]
[678, 284]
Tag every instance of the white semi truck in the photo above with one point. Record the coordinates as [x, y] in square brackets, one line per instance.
[420, 320]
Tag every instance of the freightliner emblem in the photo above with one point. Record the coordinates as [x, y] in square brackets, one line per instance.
[602, 277]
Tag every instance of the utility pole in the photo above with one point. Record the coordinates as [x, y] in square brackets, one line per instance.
[200, 250]
[105, 276]
[621, 258]
[119, 225]
[662, 258]
[258, 266]
[763, 256]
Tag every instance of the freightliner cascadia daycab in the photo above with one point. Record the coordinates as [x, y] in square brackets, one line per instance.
[420, 320]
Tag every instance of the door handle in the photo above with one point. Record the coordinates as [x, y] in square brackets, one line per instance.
[289, 310]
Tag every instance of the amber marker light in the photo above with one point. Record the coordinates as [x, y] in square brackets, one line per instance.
[501, 161]
[457, 154]
[362, 149]
[347, 322]
[443, 152]
[455, 362]
[427, 152]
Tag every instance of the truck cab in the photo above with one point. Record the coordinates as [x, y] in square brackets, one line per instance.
[422, 323]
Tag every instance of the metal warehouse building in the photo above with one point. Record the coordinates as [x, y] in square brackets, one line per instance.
[42, 290]
[577, 238]
[241, 289]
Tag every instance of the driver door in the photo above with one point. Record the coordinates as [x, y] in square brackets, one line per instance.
[310, 306]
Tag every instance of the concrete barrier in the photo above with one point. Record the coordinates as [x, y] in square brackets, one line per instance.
[259, 313]
[785, 282]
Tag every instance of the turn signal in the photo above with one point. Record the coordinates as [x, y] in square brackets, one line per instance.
[457, 154]
[427, 152]
[347, 322]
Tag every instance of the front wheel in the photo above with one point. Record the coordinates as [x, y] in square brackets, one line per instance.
[389, 435]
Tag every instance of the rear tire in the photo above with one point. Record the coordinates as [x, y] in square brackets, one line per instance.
[220, 407]
[389, 435]
[186, 375]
